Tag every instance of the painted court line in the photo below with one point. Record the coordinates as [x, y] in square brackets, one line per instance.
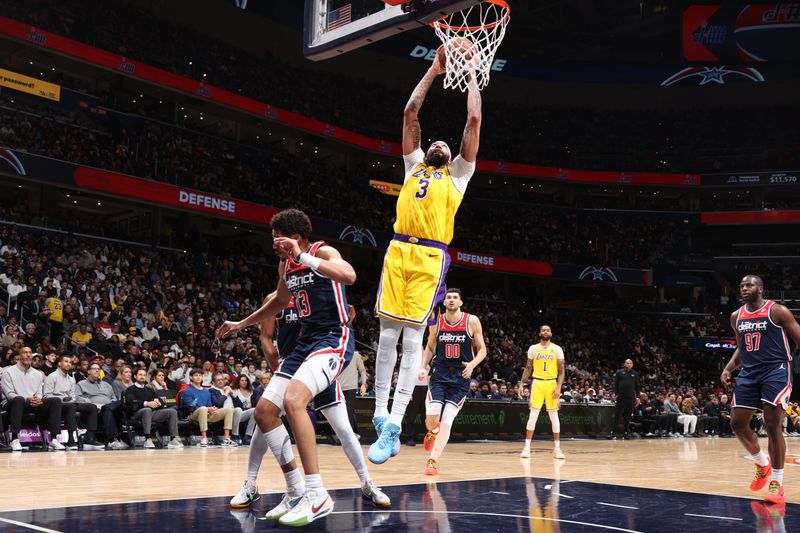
[29, 526]
[617, 505]
[563, 495]
[712, 516]
[473, 513]
[498, 492]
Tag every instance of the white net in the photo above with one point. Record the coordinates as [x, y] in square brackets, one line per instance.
[471, 38]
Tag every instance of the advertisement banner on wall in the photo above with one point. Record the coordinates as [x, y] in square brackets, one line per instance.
[713, 344]
[26, 84]
[487, 419]
[16, 162]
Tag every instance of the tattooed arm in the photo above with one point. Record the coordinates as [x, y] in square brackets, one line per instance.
[412, 134]
[472, 131]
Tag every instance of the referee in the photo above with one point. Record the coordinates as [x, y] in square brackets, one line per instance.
[626, 387]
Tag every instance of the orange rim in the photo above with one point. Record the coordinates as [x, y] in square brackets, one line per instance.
[502, 3]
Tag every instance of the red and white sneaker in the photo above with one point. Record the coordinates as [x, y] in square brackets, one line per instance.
[762, 475]
[775, 493]
[431, 468]
[428, 441]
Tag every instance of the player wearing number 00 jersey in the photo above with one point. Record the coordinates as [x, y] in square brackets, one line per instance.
[455, 348]
[762, 352]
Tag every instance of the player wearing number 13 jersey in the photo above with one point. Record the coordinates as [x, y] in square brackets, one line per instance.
[416, 262]
[765, 381]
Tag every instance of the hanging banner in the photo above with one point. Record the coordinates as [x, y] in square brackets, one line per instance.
[26, 84]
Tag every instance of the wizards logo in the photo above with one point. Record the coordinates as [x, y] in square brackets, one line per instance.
[358, 235]
[598, 274]
[713, 74]
[9, 158]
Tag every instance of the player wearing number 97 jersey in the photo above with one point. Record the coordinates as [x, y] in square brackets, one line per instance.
[765, 381]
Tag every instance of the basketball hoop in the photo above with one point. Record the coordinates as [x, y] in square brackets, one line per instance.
[471, 38]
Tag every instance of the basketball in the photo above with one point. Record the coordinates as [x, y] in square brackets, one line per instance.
[461, 50]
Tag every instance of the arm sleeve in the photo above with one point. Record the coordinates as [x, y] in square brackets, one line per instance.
[560, 353]
[616, 384]
[530, 351]
[461, 172]
[636, 382]
[8, 386]
[49, 386]
[362, 371]
[409, 160]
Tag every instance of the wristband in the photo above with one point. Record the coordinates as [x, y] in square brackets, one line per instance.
[309, 260]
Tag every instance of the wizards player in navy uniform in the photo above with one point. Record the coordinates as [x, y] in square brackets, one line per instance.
[314, 274]
[451, 352]
[765, 381]
[329, 402]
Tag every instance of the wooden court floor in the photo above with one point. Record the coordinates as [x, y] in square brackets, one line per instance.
[38, 480]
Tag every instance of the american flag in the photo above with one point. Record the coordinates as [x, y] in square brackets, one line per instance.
[339, 17]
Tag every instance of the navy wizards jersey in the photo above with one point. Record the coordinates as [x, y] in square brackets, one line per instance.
[761, 341]
[288, 329]
[321, 303]
[453, 348]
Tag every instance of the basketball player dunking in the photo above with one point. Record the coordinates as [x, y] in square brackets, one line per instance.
[765, 381]
[416, 261]
[546, 365]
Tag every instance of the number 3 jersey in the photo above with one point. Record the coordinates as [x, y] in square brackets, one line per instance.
[761, 341]
[430, 197]
[453, 348]
[320, 303]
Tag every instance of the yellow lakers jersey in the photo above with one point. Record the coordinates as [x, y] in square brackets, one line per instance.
[427, 205]
[545, 360]
[56, 307]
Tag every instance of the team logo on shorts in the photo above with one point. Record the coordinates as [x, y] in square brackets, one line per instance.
[333, 364]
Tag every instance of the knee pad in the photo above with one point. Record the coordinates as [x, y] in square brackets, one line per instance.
[554, 421]
[449, 414]
[532, 420]
[433, 408]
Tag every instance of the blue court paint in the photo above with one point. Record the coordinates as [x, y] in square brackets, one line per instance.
[513, 504]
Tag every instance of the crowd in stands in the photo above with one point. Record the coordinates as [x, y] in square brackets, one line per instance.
[274, 177]
[103, 311]
[652, 140]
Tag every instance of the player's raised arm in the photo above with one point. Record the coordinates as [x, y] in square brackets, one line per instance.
[327, 262]
[412, 133]
[472, 131]
[478, 343]
[268, 309]
[735, 361]
[430, 349]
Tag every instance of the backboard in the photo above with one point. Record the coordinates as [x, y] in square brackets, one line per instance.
[333, 27]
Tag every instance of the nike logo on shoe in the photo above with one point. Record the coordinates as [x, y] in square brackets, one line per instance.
[315, 510]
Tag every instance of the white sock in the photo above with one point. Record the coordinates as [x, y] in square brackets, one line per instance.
[295, 485]
[441, 441]
[409, 369]
[557, 445]
[281, 445]
[777, 475]
[258, 448]
[337, 418]
[527, 443]
[314, 482]
[761, 458]
[385, 360]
